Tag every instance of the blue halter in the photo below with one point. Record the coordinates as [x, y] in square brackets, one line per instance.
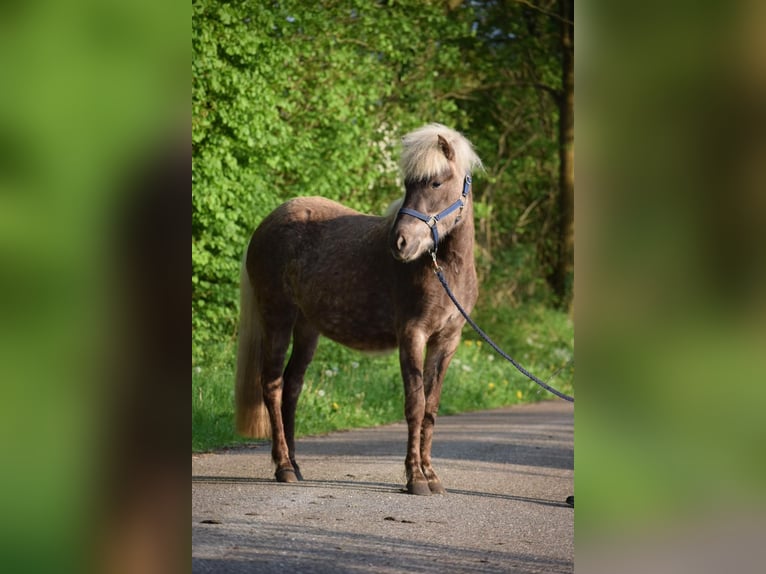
[432, 220]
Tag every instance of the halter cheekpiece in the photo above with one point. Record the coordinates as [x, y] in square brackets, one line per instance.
[432, 220]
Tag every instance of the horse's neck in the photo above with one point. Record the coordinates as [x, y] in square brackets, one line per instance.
[459, 243]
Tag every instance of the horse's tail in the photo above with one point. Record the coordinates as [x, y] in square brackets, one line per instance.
[252, 416]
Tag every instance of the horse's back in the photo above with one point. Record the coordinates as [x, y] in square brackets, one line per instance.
[308, 210]
[333, 264]
[293, 224]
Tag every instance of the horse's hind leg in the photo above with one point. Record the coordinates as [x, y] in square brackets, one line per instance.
[278, 327]
[440, 353]
[305, 339]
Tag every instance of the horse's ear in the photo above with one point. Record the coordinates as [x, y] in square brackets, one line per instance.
[447, 150]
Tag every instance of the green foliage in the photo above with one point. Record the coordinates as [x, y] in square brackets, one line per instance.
[297, 98]
[300, 98]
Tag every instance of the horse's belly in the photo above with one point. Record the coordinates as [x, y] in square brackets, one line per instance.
[368, 345]
[359, 335]
[371, 330]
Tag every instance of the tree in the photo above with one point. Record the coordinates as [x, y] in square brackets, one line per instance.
[564, 265]
[523, 107]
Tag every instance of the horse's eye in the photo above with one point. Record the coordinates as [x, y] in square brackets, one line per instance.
[436, 184]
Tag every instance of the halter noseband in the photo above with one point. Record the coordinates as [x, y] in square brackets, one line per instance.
[432, 220]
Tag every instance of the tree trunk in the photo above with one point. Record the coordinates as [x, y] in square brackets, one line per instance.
[561, 279]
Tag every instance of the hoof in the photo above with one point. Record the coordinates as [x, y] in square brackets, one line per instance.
[286, 475]
[297, 471]
[435, 486]
[419, 488]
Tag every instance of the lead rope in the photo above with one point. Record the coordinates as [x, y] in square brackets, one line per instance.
[490, 342]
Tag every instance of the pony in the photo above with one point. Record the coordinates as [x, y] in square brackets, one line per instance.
[315, 267]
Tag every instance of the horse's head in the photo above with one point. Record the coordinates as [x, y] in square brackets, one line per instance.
[436, 162]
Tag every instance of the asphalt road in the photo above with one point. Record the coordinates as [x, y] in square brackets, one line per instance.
[507, 474]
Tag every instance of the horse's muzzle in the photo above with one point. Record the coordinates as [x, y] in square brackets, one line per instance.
[406, 244]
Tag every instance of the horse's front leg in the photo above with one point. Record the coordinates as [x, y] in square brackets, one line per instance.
[440, 353]
[411, 363]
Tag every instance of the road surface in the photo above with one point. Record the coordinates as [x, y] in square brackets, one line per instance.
[507, 473]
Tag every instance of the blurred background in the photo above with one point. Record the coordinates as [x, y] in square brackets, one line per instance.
[671, 299]
[95, 152]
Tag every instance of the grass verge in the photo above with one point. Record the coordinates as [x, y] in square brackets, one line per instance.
[344, 389]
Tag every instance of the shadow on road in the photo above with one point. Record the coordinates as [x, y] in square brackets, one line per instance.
[350, 485]
[309, 549]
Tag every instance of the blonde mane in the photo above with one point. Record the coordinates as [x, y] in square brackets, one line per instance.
[422, 157]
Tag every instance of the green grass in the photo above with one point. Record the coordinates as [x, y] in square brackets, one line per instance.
[344, 389]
